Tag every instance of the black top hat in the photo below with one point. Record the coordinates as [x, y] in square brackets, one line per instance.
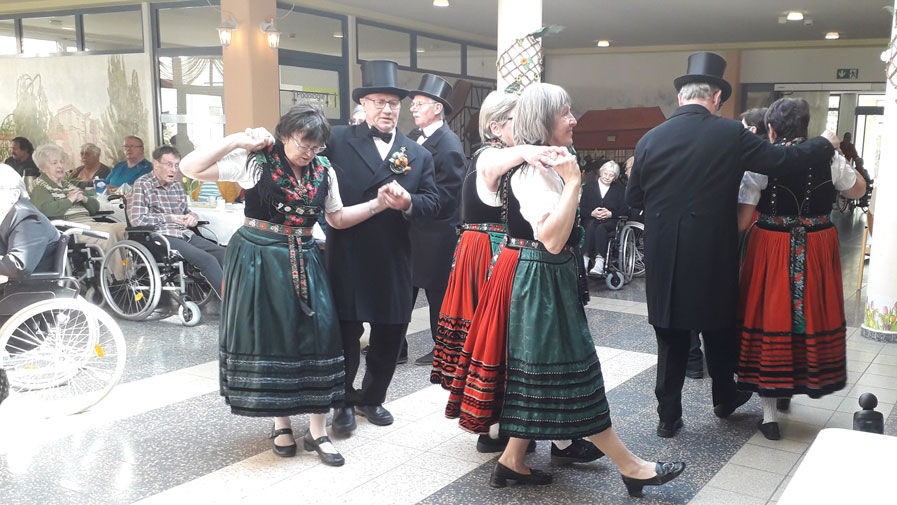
[378, 76]
[435, 87]
[706, 67]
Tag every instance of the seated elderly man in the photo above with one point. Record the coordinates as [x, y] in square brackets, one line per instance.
[60, 198]
[90, 166]
[157, 199]
[27, 239]
[133, 167]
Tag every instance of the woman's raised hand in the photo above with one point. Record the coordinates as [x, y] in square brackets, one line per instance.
[565, 165]
[254, 139]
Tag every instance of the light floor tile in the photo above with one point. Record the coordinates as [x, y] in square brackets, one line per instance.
[860, 366]
[807, 414]
[884, 395]
[883, 370]
[403, 485]
[746, 481]
[889, 349]
[840, 420]
[781, 489]
[886, 359]
[714, 496]
[798, 432]
[880, 381]
[762, 458]
[441, 463]
[852, 405]
[785, 444]
[827, 402]
[862, 356]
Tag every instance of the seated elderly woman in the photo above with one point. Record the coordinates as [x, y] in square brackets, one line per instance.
[601, 203]
[91, 167]
[59, 198]
[27, 239]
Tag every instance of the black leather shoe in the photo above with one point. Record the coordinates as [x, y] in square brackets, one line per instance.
[486, 444]
[376, 414]
[425, 360]
[724, 410]
[696, 373]
[328, 458]
[770, 431]
[783, 404]
[665, 473]
[501, 474]
[344, 420]
[580, 451]
[669, 430]
[284, 451]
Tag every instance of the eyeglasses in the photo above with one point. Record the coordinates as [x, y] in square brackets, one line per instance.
[418, 105]
[380, 103]
[132, 147]
[169, 165]
[317, 150]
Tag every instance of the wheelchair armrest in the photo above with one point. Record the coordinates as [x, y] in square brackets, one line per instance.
[68, 225]
[103, 213]
[201, 223]
[112, 198]
[140, 228]
[95, 234]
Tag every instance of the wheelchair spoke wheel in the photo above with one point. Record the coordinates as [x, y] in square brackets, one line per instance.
[627, 253]
[61, 356]
[637, 231]
[131, 281]
[196, 286]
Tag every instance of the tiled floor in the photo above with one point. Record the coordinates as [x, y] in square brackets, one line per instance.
[165, 436]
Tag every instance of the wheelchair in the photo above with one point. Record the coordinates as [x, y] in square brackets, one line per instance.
[151, 269]
[624, 258]
[61, 354]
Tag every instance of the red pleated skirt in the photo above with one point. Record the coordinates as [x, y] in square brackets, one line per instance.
[469, 273]
[775, 360]
[477, 391]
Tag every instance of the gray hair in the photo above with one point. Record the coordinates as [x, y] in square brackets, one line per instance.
[44, 152]
[630, 161]
[537, 110]
[610, 166]
[497, 107]
[91, 148]
[697, 91]
[10, 179]
[135, 137]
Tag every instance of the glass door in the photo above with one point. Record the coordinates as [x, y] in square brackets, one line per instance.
[869, 130]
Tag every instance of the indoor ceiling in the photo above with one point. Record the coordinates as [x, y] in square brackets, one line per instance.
[629, 23]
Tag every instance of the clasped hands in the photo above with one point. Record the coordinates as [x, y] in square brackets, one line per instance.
[601, 213]
[76, 195]
[394, 196]
[189, 220]
[558, 158]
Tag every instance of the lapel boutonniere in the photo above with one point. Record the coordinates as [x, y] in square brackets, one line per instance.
[398, 162]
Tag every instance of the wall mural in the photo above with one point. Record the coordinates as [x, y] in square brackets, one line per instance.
[71, 100]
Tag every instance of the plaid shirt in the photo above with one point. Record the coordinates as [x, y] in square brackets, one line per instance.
[152, 204]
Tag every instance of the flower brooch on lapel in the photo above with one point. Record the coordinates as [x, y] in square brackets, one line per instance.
[398, 162]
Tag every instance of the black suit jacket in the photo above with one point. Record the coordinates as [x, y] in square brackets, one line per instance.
[27, 241]
[614, 201]
[370, 264]
[686, 177]
[433, 239]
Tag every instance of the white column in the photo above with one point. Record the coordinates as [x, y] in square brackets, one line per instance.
[516, 19]
[880, 322]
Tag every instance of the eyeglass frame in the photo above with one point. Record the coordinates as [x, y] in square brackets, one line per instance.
[380, 103]
[318, 150]
[418, 105]
[169, 165]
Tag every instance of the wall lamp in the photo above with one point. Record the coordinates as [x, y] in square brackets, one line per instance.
[226, 31]
[271, 33]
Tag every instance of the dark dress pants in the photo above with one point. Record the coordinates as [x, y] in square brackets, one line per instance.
[598, 234]
[385, 342]
[673, 347]
[205, 255]
[695, 356]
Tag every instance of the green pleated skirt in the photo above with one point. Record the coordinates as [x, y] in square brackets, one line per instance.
[274, 359]
[555, 389]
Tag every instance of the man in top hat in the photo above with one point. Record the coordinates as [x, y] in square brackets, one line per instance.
[686, 177]
[433, 239]
[370, 264]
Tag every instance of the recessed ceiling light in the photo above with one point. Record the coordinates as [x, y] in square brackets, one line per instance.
[832, 36]
[421, 50]
[795, 16]
[603, 43]
[338, 34]
[440, 3]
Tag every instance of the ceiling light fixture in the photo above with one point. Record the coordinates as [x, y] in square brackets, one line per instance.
[440, 3]
[421, 50]
[226, 31]
[338, 34]
[795, 16]
[832, 36]
[603, 43]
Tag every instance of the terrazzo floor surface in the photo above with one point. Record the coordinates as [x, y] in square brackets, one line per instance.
[165, 436]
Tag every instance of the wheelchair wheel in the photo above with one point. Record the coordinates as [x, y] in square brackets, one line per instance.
[626, 256]
[615, 280]
[61, 356]
[189, 313]
[137, 295]
[637, 232]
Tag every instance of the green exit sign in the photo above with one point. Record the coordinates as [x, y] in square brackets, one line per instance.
[848, 73]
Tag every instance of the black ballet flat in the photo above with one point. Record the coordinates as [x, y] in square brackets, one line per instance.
[501, 474]
[284, 451]
[665, 473]
[770, 431]
[328, 458]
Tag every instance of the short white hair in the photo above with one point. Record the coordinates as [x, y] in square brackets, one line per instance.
[10, 179]
[43, 154]
[697, 91]
[610, 166]
[498, 106]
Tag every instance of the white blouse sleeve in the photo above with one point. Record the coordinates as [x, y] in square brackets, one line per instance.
[752, 184]
[333, 202]
[843, 174]
[490, 198]
[233, 168]
[538, 193]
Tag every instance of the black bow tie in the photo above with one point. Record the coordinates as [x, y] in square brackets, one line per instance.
[384, 136]
[416, 134]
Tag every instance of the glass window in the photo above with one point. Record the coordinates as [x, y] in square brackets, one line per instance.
[189, 27]
[310, 33]
[834, 101]
[301, 84]
[109, 31]
[54, 34]
[481, 62]
[871, 101]
[8, 44]
[381, 44]
[439, 55]
[192, 100]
